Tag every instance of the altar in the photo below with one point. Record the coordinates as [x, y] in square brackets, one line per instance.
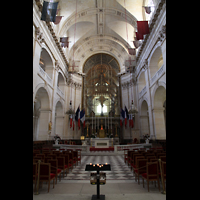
[103, 142]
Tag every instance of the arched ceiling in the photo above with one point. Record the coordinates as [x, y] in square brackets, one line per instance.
[99, 26]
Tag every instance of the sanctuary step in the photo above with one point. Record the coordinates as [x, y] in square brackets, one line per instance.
[101, 149]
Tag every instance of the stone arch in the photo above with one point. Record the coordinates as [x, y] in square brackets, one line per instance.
[144, 118]
[59, 118]
[156, 60]
[46, 62]
[41, 114]
[42, 85]
[159, 99]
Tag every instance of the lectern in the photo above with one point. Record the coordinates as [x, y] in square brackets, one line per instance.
[98, 167]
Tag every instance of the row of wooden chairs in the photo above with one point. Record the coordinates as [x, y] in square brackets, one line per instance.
[145, 164]
[58, 161]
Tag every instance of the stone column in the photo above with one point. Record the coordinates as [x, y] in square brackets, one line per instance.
[45, 117]
[159, 123]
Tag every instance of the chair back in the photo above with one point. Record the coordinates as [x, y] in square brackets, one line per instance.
[41, 155]
[163, 158]
[152, 170]
[135, 155]
[45, 169]
[34, 171]
[137, 158]
[150, 157]
[54, 165]
[163, 165]
[53, 156]
[142, 165]
[61, 162]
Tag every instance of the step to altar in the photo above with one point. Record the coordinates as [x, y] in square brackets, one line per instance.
[101, 149]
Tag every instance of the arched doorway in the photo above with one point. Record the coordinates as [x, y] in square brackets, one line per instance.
[159, 112]
[59, 119]
[144, 119]
[41, 115]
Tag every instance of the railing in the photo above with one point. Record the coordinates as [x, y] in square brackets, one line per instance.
[60, 92]
[142, 92]
[157, 75]
[45, 76]
[120, 148]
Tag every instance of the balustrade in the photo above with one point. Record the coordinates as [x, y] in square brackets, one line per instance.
[157, 75]
[45, 76]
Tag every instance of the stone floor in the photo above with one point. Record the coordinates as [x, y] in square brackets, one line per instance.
[120, 183]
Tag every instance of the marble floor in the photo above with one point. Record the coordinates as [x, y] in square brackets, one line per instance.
[120, 182]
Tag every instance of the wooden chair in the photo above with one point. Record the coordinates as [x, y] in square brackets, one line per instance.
[133, 164]
[45, 174]
[53, 156]
[151, 173]
[141, 168]
[41, 155]
[54, 168]
[61, 165]
[79, 155]
[126, 155]
[163, 158]
[35, 173]
[150, 157]
[67, 163]
[75, 157]
[163, 166]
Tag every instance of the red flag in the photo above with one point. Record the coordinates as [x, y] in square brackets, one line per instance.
[143, 27]
[58, 18]
[139, 36]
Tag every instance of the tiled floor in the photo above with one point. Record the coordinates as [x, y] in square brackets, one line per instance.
[120, 183]
[119, 171]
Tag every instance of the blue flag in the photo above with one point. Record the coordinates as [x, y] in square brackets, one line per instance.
[49, 10]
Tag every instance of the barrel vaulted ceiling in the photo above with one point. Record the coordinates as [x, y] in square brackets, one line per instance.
[102, 26]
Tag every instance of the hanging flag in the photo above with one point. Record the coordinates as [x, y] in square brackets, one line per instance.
[49, 10]
[139, 36]
[131, 121]
[147, 9]
[82, 117]
[136, 43]
[142, 27]
[58, 18]
[73, 121]
[126, 116]
[64, 41]
[131, 51]
[70, 121]
[77, 117]
[122, 116]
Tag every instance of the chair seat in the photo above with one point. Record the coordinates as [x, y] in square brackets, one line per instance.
[58, 170]
[66, 166]
[52, 175]
[151, 177]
